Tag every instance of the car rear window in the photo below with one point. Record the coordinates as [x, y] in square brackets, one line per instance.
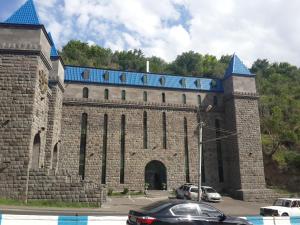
[156, 206]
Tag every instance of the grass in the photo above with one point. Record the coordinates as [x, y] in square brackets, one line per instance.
[47, 203]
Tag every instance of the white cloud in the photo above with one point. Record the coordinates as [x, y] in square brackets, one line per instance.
[253, 29]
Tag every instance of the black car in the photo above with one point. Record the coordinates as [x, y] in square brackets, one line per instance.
[181, 212]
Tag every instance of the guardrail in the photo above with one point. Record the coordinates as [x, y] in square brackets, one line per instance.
[8, 219]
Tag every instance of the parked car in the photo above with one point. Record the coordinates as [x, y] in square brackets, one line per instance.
[181, 212]
[182, 189]
[282, 207]
[210, 194]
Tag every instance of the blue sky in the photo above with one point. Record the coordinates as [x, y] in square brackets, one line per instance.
[165, 28]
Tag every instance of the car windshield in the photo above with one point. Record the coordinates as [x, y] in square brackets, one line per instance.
[210, 190]
[282, 202]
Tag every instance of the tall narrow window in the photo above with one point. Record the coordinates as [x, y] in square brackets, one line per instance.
[104, 153]
[85, 92]
[106, 94]
[123, 95]
[122, 159]
[145, 96]
[183, 99]
[82, 152]
[145, 128]
[164, 123]
[199, 100]
[202, 166]
[219, 152]
[163, 97]
[186, 151]
[215, 100]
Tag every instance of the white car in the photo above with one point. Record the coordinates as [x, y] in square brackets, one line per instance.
[210, 194]
[282, 207]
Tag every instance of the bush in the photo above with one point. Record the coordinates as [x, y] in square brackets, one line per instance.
[125, 191]
[110, 191]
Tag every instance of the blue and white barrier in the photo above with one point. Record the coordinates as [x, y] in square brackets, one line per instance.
[7, 219]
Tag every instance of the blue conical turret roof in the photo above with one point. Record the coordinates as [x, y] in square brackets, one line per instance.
[26, 14]
[54, 52]
[237, 67]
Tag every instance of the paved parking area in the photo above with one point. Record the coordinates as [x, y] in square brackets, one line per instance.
[228, 205]
[120, 206]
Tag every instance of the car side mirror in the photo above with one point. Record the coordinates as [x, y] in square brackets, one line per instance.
[222, 217]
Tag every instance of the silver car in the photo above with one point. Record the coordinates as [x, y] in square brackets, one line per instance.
[180, 192]
[210, 194]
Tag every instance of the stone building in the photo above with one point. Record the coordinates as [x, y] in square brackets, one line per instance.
[68, 132]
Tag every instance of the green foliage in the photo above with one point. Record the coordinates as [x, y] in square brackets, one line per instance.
[125, 191]
[110, 191]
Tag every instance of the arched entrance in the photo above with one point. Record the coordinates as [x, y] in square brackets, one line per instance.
[156, 175]
[35, 158]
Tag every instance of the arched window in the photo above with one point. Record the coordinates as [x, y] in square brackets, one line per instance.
[145, 128]
[186, 151]
[106, 94]
[85, 92]
[104, 153]
[36, 152]
[55, 157]
[122, 159]
[123, 97]
[199, 100]
[145, 96]
[82, 152]
[215, 100]
[164, 124]
[183, 99]
[163, 97]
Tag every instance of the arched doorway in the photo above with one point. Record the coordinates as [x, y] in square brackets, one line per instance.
[156, 175]
[35, 158]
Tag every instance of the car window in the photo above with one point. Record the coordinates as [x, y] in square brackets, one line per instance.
[210, 190]
[194, 190]
[206, 210]
[189, 209]
[287, 203]
[295, 204]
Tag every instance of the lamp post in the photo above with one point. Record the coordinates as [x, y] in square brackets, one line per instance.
[201, 124]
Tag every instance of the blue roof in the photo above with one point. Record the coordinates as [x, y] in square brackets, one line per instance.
[53, 52]
[236, 67]
[116, 77]
[26, 14]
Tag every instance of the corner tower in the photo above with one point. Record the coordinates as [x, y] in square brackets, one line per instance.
[24, 72]
[244, 151]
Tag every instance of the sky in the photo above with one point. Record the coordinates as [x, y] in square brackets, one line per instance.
[252, 29]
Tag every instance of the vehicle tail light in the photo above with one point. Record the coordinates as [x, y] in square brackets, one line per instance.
[145, 220]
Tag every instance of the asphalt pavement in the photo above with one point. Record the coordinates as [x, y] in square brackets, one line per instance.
[121, 205]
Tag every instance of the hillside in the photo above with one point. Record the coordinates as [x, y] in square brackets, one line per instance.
[277, 83]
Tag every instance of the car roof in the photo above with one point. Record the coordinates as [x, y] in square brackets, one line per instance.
[291, 199]
[206, 187]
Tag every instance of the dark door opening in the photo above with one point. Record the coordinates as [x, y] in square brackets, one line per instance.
[156, 175]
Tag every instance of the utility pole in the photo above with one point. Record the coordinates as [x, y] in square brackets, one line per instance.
[200, 159]
[200, 142]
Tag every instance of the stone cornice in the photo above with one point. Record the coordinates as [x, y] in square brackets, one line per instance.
[25, 48]
[58, 83]
[138, 105]
[241, 95]
[128, 104]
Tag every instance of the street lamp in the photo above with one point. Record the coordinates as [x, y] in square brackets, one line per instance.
[201, 124]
